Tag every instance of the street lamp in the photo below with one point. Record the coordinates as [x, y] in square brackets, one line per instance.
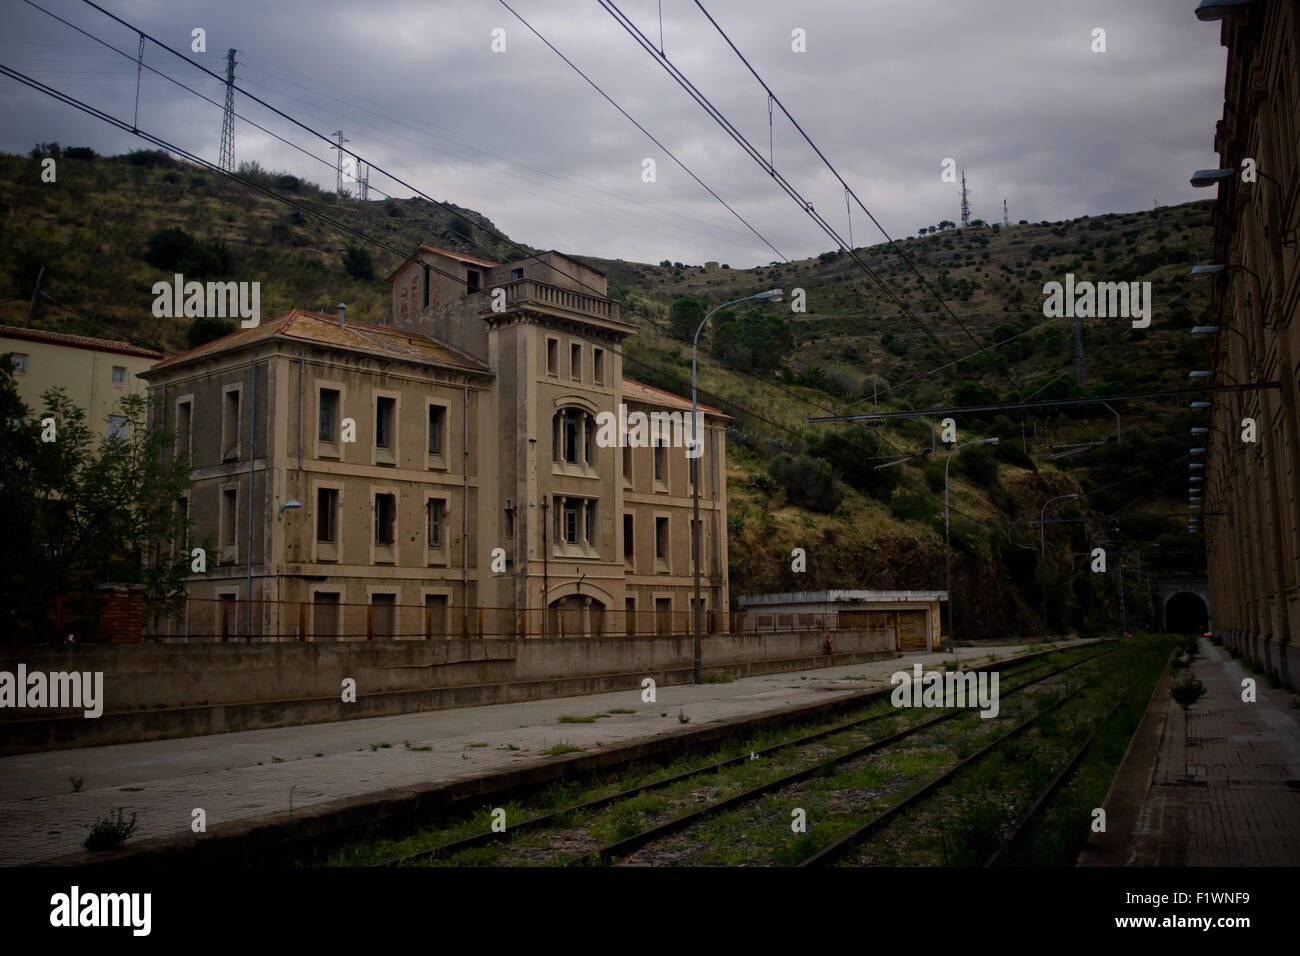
[1042, 547]
[697, 453]
[291, 503]
[947, 533]
[1042, 516]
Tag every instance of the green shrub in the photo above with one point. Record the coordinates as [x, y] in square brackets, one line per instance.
[809, 482]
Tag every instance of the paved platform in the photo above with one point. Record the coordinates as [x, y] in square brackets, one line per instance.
[254, 774]
[1215, 785]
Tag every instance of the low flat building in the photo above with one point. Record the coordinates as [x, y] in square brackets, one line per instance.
[913, 616]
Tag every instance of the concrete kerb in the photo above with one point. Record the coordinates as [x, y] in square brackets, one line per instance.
[340, 819]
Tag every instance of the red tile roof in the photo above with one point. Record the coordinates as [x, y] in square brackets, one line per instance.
[634, 391]
[313, 327]
[78, 341]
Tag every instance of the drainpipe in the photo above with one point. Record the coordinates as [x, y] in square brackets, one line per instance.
[464, 511]
[252, 454]
[302, 368]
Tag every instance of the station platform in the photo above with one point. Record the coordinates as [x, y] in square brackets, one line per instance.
[1217, 784]
[238, 779]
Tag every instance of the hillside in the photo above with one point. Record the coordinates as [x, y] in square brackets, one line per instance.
[91, 231]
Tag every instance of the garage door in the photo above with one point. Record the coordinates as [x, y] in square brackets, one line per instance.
[911, 631]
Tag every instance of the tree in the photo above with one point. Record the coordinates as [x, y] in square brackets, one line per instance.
[357, 262]
[84, 511]
[206, 329]
[752, 342]
[685, 317]
[809, 482]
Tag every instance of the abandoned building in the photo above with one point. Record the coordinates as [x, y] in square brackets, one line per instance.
[437, 473]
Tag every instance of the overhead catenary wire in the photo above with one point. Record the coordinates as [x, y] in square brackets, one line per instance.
[492, 232]
[785, 185]
[335, 223]
[773, 98]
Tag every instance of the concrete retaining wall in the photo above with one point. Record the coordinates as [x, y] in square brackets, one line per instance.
[153, 691]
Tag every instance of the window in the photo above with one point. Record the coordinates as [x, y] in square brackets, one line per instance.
[592, 527]
[182, 524]
[325, 605]
[329, 414]
[630, 605]
[437, 424]
[569, 526]
[693, 466]
[230, 425]
[435, 508]
[552, 357]
[569, 423]
[229, 511]
[424, 302]
[627, 465]
[510, 522]
[629, 545]
[385, 519]
[598, 366]
[661, 538]
[661, 463]
[116, 427]
[435, 615]
[383, 612]
[664, 615]
[19, 363]
[385, 409]
[575, 362]
[327, 509]
[184, 425]
[473, 280]
[119, 375]
[516, 274]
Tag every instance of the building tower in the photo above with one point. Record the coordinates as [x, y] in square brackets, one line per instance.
[1006, 221]
[227, 158]
[965, 204]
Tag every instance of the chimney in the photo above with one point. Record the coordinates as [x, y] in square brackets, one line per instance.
[342, 308]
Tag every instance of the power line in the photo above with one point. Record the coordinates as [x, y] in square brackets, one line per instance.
[772, 97]
[492, 232]
[337, 224]
[752, 151]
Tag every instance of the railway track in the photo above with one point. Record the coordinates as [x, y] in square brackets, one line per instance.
[792, 748]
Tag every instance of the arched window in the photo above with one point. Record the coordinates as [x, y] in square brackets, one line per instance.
[573, 437]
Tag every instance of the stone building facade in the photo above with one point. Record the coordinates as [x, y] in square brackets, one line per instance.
[1252, 501]
[447, 464]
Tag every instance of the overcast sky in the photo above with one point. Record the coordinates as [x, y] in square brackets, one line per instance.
[1010, 89]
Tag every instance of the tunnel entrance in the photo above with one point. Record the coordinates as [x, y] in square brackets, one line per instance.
[1186, 614]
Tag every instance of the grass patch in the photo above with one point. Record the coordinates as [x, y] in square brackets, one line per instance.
[407, 745]
[108, 833]
[564, 747]
[622, 710]
[589, 719]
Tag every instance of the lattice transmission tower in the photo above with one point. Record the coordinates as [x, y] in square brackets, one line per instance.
[227, 159]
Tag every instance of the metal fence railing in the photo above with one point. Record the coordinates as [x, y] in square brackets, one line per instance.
[203, 619]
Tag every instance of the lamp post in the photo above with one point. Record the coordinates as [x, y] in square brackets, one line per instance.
[696, 453]
[947, 534]
[1042, 547]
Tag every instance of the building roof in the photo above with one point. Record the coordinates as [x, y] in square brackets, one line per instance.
[634, 391]
[78, 341]
[830, 597]
[442, 252]
[324, 330]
